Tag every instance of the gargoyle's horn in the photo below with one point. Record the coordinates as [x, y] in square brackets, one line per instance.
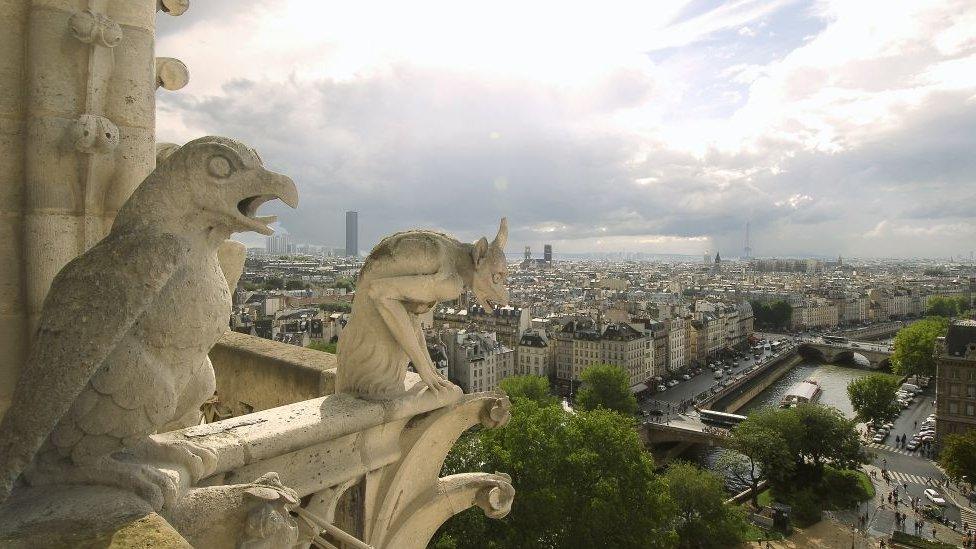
[502, 237]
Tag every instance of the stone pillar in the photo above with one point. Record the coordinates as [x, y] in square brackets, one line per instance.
[77, 121]
[14, 16]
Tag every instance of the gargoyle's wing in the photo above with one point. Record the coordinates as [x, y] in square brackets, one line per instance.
[93, 302]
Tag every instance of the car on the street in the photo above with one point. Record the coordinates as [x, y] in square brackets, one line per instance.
[934, 496]
[685, 377]
[661, 387]
[912, 445]
[672, 383]
[880, 436]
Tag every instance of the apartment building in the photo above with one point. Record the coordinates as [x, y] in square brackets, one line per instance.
[535, 355]
[955, 380]
[477, 361]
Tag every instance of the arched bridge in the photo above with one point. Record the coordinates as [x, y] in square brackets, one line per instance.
[877, 355]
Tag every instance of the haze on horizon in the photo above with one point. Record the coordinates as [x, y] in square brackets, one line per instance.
[834, 127]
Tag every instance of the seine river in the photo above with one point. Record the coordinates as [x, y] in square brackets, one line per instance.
[833, 381]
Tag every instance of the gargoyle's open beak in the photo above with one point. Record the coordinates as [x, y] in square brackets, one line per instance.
[271, 186]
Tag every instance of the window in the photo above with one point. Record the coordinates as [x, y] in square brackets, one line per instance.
[953, 408]
[970, 409]
[971, 391]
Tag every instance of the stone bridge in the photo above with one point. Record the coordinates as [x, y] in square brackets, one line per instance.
[684, 428]
[877, 355]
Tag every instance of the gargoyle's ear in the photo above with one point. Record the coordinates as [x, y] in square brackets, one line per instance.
[480, 252]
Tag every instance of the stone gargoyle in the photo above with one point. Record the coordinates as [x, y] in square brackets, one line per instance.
[404, 276]
[121, 348]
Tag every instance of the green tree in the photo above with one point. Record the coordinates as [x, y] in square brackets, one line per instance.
[775, 315]
[756, 449]
[606, 386]
[584, 480]
[345, 282]
[534, 388]
[273, 283]
[958, 457]
[323, 346]
[947, 307]
[703, 520]
[873, 397]
[296, 285]
[915, 346]
[815, 436]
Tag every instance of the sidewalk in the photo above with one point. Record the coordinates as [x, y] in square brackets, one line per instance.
[955, 495]
[881, 515]
[827, 533]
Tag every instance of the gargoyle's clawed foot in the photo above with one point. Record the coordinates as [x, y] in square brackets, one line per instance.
[198, 460]
[437, 384]
[149, 483]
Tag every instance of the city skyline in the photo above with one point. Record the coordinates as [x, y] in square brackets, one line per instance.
[664, 131]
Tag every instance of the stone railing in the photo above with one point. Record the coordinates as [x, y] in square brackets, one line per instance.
[379, 461]
[255, 374]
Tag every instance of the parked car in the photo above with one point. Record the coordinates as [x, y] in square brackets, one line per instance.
[719, 374]
[685, 377]
[672, 383]
[880, 436]
[913, 445]
[661, 387]
[934, 497]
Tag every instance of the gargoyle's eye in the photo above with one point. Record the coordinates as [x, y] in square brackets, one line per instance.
[219, 166]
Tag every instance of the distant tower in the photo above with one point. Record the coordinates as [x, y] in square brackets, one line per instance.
[528, 253]
[717, 266]
[547, 254]
[352, 234]
[748, 249]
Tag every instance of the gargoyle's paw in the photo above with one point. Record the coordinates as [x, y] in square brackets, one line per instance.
[198, 460]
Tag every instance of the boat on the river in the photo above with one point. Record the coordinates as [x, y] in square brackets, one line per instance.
[805, 391]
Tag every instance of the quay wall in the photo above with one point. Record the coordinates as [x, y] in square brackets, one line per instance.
[737, 395]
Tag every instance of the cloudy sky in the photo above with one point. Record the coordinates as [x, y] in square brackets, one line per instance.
[836, 127]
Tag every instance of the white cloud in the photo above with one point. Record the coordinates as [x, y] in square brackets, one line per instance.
[630, 123]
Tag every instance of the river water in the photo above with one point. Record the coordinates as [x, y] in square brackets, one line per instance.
[833, 381]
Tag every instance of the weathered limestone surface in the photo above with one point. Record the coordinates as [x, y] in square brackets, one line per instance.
[405, 276]
[122, 347]
[124, 330]
[255, 374]
[77, 119]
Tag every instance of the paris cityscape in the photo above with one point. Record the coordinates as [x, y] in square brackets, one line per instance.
[686, 274]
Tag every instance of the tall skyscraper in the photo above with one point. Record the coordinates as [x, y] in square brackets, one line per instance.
[352, 234]
[547, 254]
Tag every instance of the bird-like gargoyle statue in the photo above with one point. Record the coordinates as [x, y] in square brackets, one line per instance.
[405, 276]
[121, 347]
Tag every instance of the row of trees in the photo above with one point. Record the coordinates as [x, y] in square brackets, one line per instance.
[584, 480]
[773, 315]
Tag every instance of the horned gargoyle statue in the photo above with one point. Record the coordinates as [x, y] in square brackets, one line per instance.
[404, 276]
[121, 348]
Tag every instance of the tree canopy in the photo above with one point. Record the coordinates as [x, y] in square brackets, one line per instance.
[534, 388]
[873, 397]
[947, 307]
[702, 519]
[755, 449]
[958, 457]
[772, 315]
[584, 480]
[915, 346]
[606, 386]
